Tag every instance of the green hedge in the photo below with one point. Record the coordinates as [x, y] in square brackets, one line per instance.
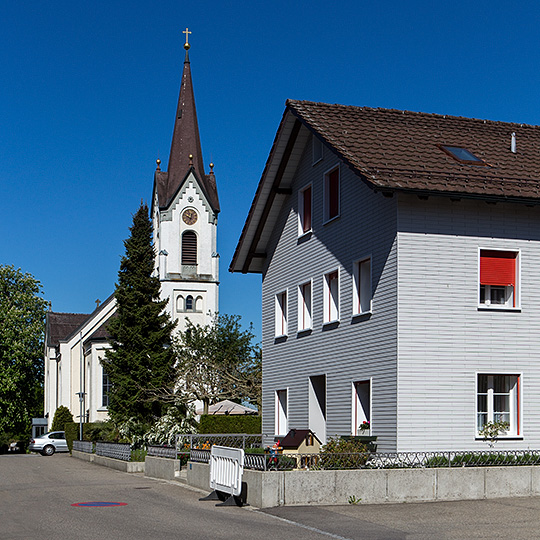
[92, 431]
[72, 433]
[235, 423]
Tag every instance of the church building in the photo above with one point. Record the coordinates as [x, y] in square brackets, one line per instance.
[184, 212]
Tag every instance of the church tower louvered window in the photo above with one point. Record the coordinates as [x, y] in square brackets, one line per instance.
[189, 248]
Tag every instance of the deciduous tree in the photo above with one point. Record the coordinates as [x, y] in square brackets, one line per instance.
[22, 329]
[218, 361]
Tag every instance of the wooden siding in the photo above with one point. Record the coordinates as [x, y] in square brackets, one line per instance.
[354, 349]
[444, 339]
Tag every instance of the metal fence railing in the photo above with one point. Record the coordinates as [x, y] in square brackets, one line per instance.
[380, 460]
[187, 442]
[199, 456]
[114, 450]
[162, 451]
[397, 460]
[83, 446]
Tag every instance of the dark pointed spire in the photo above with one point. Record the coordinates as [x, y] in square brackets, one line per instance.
[186, 153]
[186, 140]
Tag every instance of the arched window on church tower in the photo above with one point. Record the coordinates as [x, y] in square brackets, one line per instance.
[189, 248]
[189, 303]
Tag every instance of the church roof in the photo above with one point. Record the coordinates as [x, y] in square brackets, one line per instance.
[101, 334]
[61, 325]
[395, 151]
[186, 153]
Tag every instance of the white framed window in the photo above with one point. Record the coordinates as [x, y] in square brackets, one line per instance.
[281, 412]
[316, 150]
[331, 297]
[362, 291]
[304, 306]
[361, 408]
[105, 389]
[498, 283]
[498, 399]
[331, 194]
[317, 406]
[281, 314]
[305, 204]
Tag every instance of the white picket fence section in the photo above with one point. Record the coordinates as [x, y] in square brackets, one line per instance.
[226, 469]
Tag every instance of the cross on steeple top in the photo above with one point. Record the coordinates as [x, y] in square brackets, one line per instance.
[186, 44]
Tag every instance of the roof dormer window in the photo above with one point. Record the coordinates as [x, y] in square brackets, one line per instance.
[462, 155]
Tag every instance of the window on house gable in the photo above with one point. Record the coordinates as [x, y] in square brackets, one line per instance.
[331, 195]
[362, 294]
[189, 248]
[498, 400]
[281, 314]
[498, 286]
[317, 150]
[304, 306]
[304, 210]
[281, 413]
[331, 297]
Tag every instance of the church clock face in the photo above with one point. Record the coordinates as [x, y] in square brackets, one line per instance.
[189, 216]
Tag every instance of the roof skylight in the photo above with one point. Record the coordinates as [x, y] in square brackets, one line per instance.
[462, 155]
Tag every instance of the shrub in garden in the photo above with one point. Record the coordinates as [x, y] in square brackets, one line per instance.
[62, 416]
[340, 453]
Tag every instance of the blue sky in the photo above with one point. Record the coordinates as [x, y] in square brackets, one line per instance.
[89, 91]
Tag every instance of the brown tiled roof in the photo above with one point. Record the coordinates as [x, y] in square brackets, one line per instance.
[61, 325]
[101, 333]
[295, 438]
[398, 150]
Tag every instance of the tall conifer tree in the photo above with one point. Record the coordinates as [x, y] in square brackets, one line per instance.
[141, 360]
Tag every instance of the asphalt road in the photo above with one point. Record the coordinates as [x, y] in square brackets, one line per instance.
[37, 493]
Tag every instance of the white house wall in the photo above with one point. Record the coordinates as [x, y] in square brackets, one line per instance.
[444, 339]
[358, 348]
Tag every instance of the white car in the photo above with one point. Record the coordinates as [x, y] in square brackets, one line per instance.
[48, 444]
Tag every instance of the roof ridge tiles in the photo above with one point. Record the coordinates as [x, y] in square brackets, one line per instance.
[291, 102]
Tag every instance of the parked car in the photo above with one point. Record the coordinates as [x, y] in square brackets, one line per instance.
[48, 444]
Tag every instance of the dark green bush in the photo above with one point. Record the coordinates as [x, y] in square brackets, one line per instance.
[436, 461]
[255, 450]
[482, 460]
[62, 416]
[343, 453]
[92, 431]
[138, 455]
[100, 431]
[236, 423]
[72, 433]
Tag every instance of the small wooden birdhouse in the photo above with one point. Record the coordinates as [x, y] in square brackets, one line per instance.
[300, 441]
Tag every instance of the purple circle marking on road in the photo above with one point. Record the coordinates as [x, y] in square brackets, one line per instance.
[100, 503]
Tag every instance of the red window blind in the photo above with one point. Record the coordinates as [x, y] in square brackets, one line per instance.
[333, 194]
[498, 268]
[306, 225]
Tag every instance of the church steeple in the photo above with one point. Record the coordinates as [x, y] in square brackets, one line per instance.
[186, 153]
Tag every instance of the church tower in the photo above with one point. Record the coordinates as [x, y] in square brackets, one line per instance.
[185, 208]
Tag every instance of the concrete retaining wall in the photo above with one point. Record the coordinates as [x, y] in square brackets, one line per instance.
[165, 468]
[118, 464]
[278, 488]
